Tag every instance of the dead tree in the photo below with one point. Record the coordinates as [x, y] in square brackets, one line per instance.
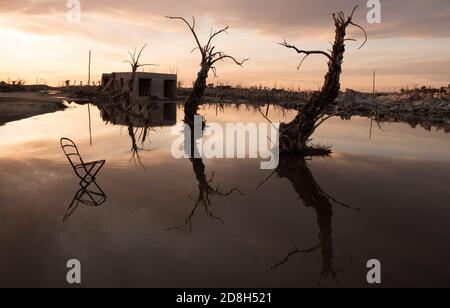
[295, 136]
[135, 64]
[209, 58]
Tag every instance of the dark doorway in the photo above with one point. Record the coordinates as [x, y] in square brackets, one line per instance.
[170, 113]
[145, 87]
[170, 88]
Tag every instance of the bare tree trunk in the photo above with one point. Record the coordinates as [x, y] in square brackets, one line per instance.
[209, 58]
[135, 65]
[295, 136]
[194, 99]
[129, 90]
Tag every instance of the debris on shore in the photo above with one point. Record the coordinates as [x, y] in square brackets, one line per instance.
[415, 108]
[21, 105]
[426, 109]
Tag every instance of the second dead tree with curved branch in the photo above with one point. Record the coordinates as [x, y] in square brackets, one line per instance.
[296, 135]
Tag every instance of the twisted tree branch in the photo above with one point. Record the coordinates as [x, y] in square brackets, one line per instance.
[192, 28]
[306, 52]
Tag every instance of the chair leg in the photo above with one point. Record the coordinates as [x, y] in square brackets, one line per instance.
[84, 184]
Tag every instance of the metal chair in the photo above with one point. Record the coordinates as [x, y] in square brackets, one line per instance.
[85, 171]
[91, 197]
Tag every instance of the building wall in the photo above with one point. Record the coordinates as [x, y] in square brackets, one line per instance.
[157, 89]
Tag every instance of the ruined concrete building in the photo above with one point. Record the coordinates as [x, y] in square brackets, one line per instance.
[146, 85]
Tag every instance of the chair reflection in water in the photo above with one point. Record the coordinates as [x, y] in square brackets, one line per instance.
[90, 193]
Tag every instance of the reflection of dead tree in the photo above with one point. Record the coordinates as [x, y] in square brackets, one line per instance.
[296, 251]
[295, 136]
[209, 58]
[298, 173]
[135, 148]
[206, 189]
[139, 124]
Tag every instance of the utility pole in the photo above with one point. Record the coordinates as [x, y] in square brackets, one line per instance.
[90, 124]
[89, 70]
[374, 76]
[89, 105]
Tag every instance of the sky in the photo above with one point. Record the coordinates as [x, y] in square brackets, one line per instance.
[410, 47]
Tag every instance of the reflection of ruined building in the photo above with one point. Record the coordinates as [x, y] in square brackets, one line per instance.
[144, 119]
[151, 115]
[161, 86]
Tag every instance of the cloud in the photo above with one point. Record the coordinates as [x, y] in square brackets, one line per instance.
[400, 18]
[43, 40]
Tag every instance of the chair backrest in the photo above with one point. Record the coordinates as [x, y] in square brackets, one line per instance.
[71, 152]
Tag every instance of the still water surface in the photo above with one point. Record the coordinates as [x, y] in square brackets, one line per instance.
[305, 225]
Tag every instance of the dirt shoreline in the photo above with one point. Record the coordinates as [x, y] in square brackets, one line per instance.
[414, 108]
[21, 105]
